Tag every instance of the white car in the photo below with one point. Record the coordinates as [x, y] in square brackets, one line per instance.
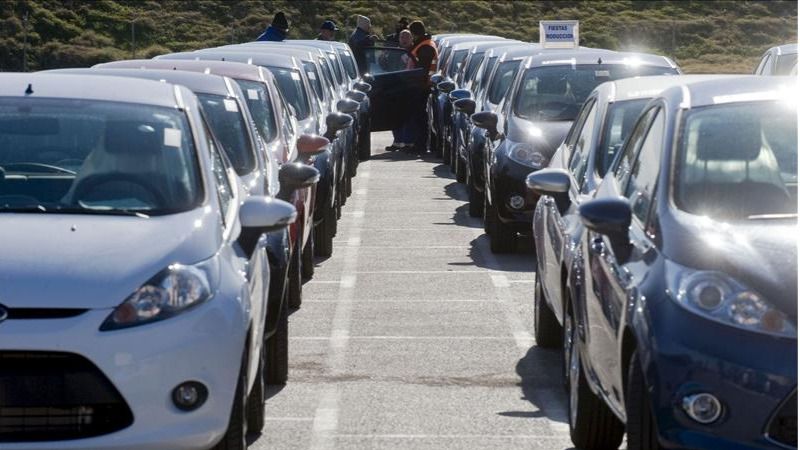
[134, 278]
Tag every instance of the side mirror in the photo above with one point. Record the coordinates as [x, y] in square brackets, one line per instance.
[311, 144]
[446, 86]
[259, 215]
[362, 87]
[357, 96]
[336, 121]
[610, 217]
[367, 78]
[347, 106]
[552, 182]
[294, 176]
[436, 79]
[459, 94]
[465, 105]
[486, 120]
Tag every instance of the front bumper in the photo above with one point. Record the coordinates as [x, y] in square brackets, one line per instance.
[507, 179]
[751, 374]
[144, 364]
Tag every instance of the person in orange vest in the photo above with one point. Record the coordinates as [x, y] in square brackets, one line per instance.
[426, 56]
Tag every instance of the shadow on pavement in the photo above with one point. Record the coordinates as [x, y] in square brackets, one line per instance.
[541, 384]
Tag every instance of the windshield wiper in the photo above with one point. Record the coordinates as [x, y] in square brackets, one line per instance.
[23, 208]
[104, 210]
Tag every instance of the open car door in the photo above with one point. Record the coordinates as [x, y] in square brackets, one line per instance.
[394, 86]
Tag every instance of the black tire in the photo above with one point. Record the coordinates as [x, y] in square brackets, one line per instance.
[547, 330]
[255, 401]
[235, 435]
[307, 259]
[592, 425]
[502, 239]
[348, 187]
[323, 234]
[296, 276]
[276, 351]
[461, 171]
[642, 427]
[433, 142]
[443, 147]
[485, 214]
[475, 200]
[364, 139]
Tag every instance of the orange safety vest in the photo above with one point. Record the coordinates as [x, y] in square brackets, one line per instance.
[435, 61]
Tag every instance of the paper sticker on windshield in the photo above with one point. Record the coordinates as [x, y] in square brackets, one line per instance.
[172, 137]
[231, 106]
[602, 73]
[295, 76]
[252, 94]
[311, 76]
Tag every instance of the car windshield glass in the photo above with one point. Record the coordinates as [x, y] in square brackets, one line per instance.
[96, 157]
[257, 97]
[474, 61]
[487, 69]
[557, 92]
[326, 71]
[386, 59]
[785, 64]
[458, 58]
[313, 78]
[349, 65]
[619, 120]
[291, 86]
[501, 80]
[229, 126]
[738, 161]
[337, 69]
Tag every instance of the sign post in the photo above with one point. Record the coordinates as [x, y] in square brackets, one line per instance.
[558, 33]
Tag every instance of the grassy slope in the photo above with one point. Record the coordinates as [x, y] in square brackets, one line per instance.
[702, 36]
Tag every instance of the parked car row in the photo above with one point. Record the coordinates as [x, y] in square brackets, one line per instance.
[663, 211]
[160, 218]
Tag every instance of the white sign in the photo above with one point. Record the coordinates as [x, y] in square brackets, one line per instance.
[558, 33]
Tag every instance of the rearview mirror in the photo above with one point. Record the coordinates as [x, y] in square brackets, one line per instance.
[486, 120]
[294, 176]
[459, 94]
[336, 121]
[347, 106]
[446, 86]
[311, 144]
[367, 78]
[259, 215]
[436, 79]
[610, 217]
[362, 87]
[357, 96]
[465, 105]
[552, 182]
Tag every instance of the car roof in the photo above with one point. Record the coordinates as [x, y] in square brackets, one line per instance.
[243, 56]
[645, 87]
[304, 54]
[89, 87]
[235, 70]
[468, 45]
[596, 56]
[732, 89]
[453, 40]
[786, 49]
[318, 43]
[484, 46]
[195, 81]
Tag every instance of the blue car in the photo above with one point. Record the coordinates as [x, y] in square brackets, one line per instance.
[681, 317]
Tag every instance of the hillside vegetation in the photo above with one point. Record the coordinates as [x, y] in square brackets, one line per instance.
[702, 36]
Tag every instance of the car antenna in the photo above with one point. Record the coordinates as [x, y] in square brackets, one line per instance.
[29, 90]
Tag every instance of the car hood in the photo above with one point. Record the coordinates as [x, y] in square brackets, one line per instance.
[761, 254]
[81, 261]
[544, 137]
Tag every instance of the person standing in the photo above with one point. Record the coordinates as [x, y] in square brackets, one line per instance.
[277, 31]
[327, 31]
[359, 40]
[403, 135]
[394, 38]
[426, 56]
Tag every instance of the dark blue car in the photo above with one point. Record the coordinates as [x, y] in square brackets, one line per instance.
[681, 317]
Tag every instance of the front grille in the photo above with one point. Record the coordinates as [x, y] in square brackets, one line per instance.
[783, 426]
[48, 396]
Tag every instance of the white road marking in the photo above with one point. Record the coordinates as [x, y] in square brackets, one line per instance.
[449, 436]
[413, 338]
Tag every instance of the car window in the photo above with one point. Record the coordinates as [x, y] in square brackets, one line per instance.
[291, 86]
[387, 59]
[349, 64]
[314, 79]
[257, 98]
[457, 60]
[785, 63]
[222, 183]
[624, 162]
[501, 80]
[644, 172]
[326, 71]
[230, 127]
[763, 68]
[337, 69]
[474, 61]
[582, 148]
[487, 70]
[620, 118]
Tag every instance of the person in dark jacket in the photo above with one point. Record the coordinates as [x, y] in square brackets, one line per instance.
[327, 31]
[426, 56]
[394, 38]
[359, 40]
[277, 31]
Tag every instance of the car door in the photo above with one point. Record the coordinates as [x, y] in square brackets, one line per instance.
[396, 88]
[615, 276]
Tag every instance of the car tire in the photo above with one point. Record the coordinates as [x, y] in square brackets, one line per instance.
[276, 350]
[475, 200]
[323, 234]
[296, 276]
[502, 239]
[547, 330]
[255, 401]
[592, 425]
[461, 170]
[364, 140]
[348, 187]
[235, 436]
[485, 214]
[307, 259]
[642, 428]
[443, 148]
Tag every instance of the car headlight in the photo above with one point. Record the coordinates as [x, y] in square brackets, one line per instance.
[525, 154]
[171, 291]
[719, 297]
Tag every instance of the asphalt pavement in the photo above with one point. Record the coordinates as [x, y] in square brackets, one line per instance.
[413, 335]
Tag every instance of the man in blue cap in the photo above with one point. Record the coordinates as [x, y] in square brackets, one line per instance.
[277, 31]
[327, 31]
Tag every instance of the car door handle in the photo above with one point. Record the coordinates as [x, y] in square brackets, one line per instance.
[597, 246]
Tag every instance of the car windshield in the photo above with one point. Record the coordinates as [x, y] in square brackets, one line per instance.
[458, 58]
[738, 161]
[474, 61]
[313, 79]
[229, 126]
[487, 70]
[291, 86]
[337, 69]
[501, 80]
[260, 107]
[785, 64]
[96, 157]
[349, 65]
[552, 93]
[326, 71]
[620, 118]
